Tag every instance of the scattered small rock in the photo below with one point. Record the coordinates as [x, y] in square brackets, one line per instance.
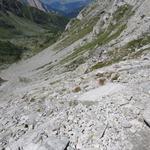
[114, 76]
[82, 69]
[99, 75]
[104, 74]
[102, 81]
[126, 124]
[77, 89]
[136, 111]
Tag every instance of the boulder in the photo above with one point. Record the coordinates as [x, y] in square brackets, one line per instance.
[101, 81]
[80, 16]
[76, 89]
[51, 143]
[126, 124]
[82, 69]
[114, 76]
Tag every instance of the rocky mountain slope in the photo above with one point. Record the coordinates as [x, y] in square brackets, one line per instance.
[37, 4]
[88, 91]
[26, 29]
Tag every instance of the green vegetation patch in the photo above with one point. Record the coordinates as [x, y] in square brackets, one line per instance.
[102, 39]
[9, 52]
[110, 33]
[128, 50]
[123, 12]
[138, 42]
[75, 63]
[100, 65]
[78, 30]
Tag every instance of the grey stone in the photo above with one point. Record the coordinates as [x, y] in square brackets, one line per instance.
[146, 115]
[126, 124]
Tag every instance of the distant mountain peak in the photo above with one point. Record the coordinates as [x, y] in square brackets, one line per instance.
[69, 8]
[37, 4]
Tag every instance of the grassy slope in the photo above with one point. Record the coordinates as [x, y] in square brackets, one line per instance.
[28, 29]
[108, 34]
[9, 52]
[78, 29]
[111, 32]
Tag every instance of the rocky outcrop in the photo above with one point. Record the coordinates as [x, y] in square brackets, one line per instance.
[146, 115]
[37, 4]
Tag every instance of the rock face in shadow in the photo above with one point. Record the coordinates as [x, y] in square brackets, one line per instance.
[2, 81]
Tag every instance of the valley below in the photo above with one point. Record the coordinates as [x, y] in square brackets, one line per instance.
[26, 30]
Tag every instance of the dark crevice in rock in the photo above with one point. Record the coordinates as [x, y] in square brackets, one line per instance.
[67, 146]
[103, 134]
[146, 124]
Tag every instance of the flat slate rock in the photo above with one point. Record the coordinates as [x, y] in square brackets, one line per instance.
[52, 143]
[98, 93]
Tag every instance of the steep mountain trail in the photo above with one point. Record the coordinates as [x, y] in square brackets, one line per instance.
[88, 91]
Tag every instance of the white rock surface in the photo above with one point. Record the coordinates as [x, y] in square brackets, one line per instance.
[98, 93]
[38, 107]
